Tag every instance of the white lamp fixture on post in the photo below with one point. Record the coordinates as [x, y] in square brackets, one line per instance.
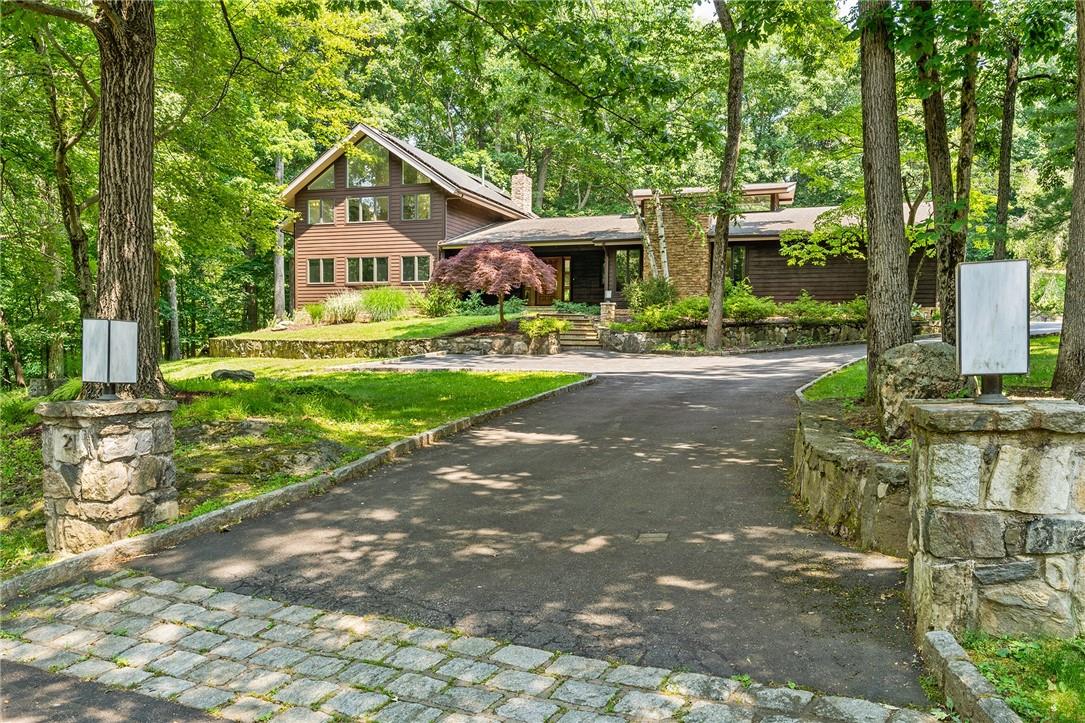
[992, 324]
[109, 353]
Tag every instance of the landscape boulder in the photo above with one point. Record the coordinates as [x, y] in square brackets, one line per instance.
[233, 375]
[916, 371]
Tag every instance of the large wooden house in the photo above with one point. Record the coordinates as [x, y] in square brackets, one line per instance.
[376, 211]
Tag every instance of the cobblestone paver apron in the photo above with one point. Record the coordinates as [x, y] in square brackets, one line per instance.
[250, 659]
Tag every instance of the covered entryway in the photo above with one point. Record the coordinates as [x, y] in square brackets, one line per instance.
[562, 266]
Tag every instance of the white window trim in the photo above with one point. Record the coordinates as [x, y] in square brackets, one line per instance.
[403, 206]
[321, 259]
[387, 206]
[415, 280]
[361, 271]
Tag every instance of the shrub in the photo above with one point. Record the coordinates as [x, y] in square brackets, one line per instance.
[808, 310]
[473, 305]
[438, 300]
[575, 307]
[513, 305]
[856, 309]
[650, 292]
[543, 325]
[683, 314]
[385, 303]
[315, 312]
[742, 305]
[343, 308]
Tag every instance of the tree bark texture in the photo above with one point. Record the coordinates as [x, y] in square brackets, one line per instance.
[175, 321]
[1005, 149]
[1070, 366]
[888, 322]
[736, 76]
[12, 351]
[543, 168]
[942, 194]
[280, 255]
[661, 235]
[127, 277]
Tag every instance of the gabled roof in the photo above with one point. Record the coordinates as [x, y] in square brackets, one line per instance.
[566, 229]
[452, 179]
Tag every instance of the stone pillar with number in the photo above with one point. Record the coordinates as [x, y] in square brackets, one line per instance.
[108, 471]
[997, 533]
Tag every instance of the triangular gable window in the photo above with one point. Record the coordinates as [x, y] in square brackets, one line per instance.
[325, 181]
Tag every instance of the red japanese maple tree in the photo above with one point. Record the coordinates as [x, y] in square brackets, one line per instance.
[496, 269]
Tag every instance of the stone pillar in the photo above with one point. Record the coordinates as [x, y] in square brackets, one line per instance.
[997, 532]
[607, 311]
[108, 469]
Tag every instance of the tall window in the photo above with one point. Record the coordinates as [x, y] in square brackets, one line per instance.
[325, 181]
[627, 263]
[321, 271]
[321, 210]
[415, 206]
[367, 208]
[414, 268]
[738, 262]
[367, 165]
[367, 270]
[412, 176]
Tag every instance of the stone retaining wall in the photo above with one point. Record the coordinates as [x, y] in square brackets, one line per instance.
[850, 489]
[227, 346]
[737, 336]
[998, 517]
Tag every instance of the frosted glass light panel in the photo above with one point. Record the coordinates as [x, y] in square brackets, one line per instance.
[992, 317]
[109, 351]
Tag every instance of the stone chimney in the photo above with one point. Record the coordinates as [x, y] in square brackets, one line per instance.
[521, 190]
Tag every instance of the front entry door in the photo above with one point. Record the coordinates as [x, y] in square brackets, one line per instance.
[558, 264]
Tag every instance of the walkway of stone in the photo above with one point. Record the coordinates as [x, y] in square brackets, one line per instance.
[247, 658]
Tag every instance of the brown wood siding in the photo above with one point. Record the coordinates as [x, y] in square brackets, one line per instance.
[464, 216]
[394, 238]
[839, 280]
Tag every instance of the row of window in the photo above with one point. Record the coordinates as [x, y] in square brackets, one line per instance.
[363, 209]
[367, 165]
[370, 270]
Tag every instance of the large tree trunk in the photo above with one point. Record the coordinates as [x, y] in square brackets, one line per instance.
[1005, 149]
[736, 76]
[1070, 367]
[280, 256]
[940, 166]
[175, 321]
[888, 321]
[543, 168]
[12, 350]
[127, 279]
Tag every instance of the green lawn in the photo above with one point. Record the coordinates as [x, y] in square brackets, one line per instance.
[1041, 679]
[850, 383]
[237, 440]
[413, 328]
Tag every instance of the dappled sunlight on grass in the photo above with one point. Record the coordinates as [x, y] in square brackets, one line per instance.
[411, 328]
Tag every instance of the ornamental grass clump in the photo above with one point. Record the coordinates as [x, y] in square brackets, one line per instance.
[342, 308]
[385, 303]
[315, 312]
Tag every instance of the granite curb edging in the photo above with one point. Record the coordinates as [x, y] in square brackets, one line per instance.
[966, 690]
[70, 568]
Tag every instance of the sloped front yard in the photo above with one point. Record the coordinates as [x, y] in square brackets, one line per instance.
[412, 328]
[238, 440]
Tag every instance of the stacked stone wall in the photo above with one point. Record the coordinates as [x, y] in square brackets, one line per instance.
[687, 245]
[383, 348]
[998, 517]
[108, 470]
[847, 488]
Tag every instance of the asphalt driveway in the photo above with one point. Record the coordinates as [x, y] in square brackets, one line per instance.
[645, 518]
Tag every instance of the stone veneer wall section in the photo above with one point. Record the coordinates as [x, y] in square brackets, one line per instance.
[735, 335]
[998, 517]
[687, 247]
[228, 346]
[108, 469]
[853, 491]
